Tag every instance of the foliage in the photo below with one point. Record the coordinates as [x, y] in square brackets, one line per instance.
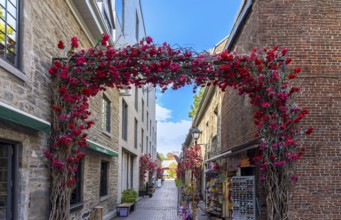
[159, 172]
[147, 166]
[129, 196]
[263, 76]
[179, 183]
[196, 102]
[162, 156]
[171, 173]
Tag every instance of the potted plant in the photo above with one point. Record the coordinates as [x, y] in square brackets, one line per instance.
[129, 196]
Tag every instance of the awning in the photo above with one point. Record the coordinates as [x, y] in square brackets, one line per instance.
[235, 150]
[100, 148]
[17, 116]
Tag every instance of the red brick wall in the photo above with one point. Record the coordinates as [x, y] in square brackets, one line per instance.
[312, 32]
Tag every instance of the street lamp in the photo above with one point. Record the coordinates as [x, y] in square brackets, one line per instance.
[195, 134]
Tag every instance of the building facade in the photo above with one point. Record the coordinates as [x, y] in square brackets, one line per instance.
[310, 30]
[30, 32]
[137, 105]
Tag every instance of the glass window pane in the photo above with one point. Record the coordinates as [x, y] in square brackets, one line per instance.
[3, 162]
[2, 51]
[11, 44]
[14, 2]
[2, 200]
[10, 56]
[11, 21]
[2, 10]
[3, 213]
[11, 9]
[3, 175]
[2, 32]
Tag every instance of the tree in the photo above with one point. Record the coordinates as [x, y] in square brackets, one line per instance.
[162, 156]
[196, 102]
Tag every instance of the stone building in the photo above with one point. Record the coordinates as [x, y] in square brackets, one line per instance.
[207, 119]
[311, 31]
[137, 105]
[30, 32]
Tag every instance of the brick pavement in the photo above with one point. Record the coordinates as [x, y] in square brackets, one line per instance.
[162, 206]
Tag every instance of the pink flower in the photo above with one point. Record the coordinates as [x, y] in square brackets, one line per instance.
[294, 178]
[266, 104]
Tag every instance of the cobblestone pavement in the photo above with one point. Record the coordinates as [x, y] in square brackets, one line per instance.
[162, 206]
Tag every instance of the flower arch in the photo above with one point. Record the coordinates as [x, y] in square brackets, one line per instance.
[263, 76]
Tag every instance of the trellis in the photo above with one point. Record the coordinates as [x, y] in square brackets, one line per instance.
[263, 76]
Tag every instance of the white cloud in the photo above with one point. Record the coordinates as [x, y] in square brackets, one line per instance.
[171, 135]
[162, 114]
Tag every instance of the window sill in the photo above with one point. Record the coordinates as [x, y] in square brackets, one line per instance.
[76, 206]
[13, 70]
[104, 198]
[107, 133]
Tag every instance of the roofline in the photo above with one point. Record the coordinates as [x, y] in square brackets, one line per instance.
[244, 11]
[144, 26]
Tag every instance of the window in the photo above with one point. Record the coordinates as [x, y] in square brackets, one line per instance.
[105, 10]
[135, 133]
[150, 130]
[9, 31]
[119, 6]
[106, 114]
[150, 147]
[8, 181]
[142, 139]
[147, 144]
[124, 120]
[147, 120]
[136, 98]
[147, 97]
[76, 195]
[142, 110]
[137, 28]
[103, 186]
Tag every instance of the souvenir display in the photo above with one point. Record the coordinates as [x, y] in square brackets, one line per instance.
[243, 198]
[214, 190]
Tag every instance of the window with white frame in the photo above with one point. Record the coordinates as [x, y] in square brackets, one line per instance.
[135, 133]
[124, 120]
[106, 114]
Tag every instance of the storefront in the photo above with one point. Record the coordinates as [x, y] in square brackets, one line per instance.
[231, 185]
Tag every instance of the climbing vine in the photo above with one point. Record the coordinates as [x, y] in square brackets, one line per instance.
[263, 76]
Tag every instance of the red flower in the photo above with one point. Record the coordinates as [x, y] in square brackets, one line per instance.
[74, 42]
[309, 131]
[87, 91]
[284, 51]
[149, 40]
[61, 45]
[105, 37]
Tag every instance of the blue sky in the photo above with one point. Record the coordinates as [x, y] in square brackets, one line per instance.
[199, 25]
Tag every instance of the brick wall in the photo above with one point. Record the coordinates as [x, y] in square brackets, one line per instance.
[312, 32]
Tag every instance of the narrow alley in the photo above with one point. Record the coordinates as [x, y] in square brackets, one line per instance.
[162, 206]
